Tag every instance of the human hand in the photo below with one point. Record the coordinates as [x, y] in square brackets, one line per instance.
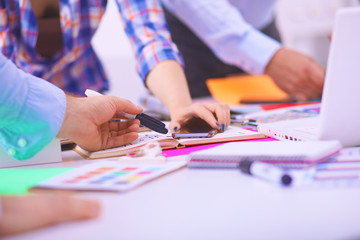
[25, 213]
[296, 74]
[87, 122]
[215, 114]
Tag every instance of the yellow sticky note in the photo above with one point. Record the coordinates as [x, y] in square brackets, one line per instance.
[245, 88]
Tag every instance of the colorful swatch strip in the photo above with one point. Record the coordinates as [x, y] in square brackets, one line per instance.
[109, 176]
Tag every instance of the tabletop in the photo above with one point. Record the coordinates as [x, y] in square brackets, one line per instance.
[213, 204]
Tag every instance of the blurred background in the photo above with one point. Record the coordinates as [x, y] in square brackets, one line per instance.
[305, 25]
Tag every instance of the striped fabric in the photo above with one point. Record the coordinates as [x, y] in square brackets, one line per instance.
[76, 67]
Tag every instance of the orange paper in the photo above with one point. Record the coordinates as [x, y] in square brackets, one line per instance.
[245, 89]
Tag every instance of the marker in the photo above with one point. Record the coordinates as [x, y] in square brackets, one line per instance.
[145, 120]
[265, 171]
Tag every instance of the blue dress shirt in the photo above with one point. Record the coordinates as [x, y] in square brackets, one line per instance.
[230, 28]
[31, 111]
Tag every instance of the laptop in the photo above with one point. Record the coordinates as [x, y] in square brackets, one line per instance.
[339, 117]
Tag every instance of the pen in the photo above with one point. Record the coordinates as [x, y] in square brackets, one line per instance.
[265, 171]
[244, 121]
[145, 120]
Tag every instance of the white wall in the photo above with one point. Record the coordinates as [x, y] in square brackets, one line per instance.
[304, 24]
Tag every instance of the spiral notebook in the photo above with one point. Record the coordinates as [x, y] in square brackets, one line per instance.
[291, 154]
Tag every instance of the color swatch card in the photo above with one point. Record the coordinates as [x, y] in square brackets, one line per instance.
[289, 113]
[109, 176]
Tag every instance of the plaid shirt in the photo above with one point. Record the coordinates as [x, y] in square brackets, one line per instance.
[76, 67]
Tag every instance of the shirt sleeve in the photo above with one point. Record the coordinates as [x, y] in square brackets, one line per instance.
[146, 28]
[221, 26]
[31, 111]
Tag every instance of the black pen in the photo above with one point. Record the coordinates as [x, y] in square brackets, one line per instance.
[265, 171]
[145, 120]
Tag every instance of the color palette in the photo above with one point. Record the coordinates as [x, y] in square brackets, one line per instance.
[288, 115]
[109, 176]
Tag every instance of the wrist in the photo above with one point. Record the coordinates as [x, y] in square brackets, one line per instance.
[66, 129]
[274, 61]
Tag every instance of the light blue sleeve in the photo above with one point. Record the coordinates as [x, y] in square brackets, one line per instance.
[31, 111]
[221, 26]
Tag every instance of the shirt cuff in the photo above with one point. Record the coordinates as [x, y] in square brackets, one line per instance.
[257, 50]
[38, 121]
[154, 53]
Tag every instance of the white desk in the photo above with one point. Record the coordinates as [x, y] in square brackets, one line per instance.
[214, 204]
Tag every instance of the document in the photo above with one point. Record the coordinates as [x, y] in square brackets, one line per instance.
[233, 133]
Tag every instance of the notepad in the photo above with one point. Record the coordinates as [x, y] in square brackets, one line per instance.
[245, 88]
[233, 133]
[291, 154]
[109, 176]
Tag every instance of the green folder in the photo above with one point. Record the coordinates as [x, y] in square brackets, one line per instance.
[19, 180]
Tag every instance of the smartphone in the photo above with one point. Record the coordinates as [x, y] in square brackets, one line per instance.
[195, 132]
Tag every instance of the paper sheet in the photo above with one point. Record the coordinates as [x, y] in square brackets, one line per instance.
[240, 89]
[18, 181]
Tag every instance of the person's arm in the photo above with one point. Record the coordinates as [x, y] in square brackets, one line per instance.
[30, 212]
[221, 26]
[31, 111]
[159, 65]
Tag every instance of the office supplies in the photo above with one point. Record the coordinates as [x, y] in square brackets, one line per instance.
[265, 171]
[245, 109]
[237, 89]
[332, 174]
[145, 120]
[268, 107]
[42, 157]
[288, 113]
[350, 154]
[338, 171]
[343, 166]
[232, 133]
[338, 119]
[109, 176]
[290, 154]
